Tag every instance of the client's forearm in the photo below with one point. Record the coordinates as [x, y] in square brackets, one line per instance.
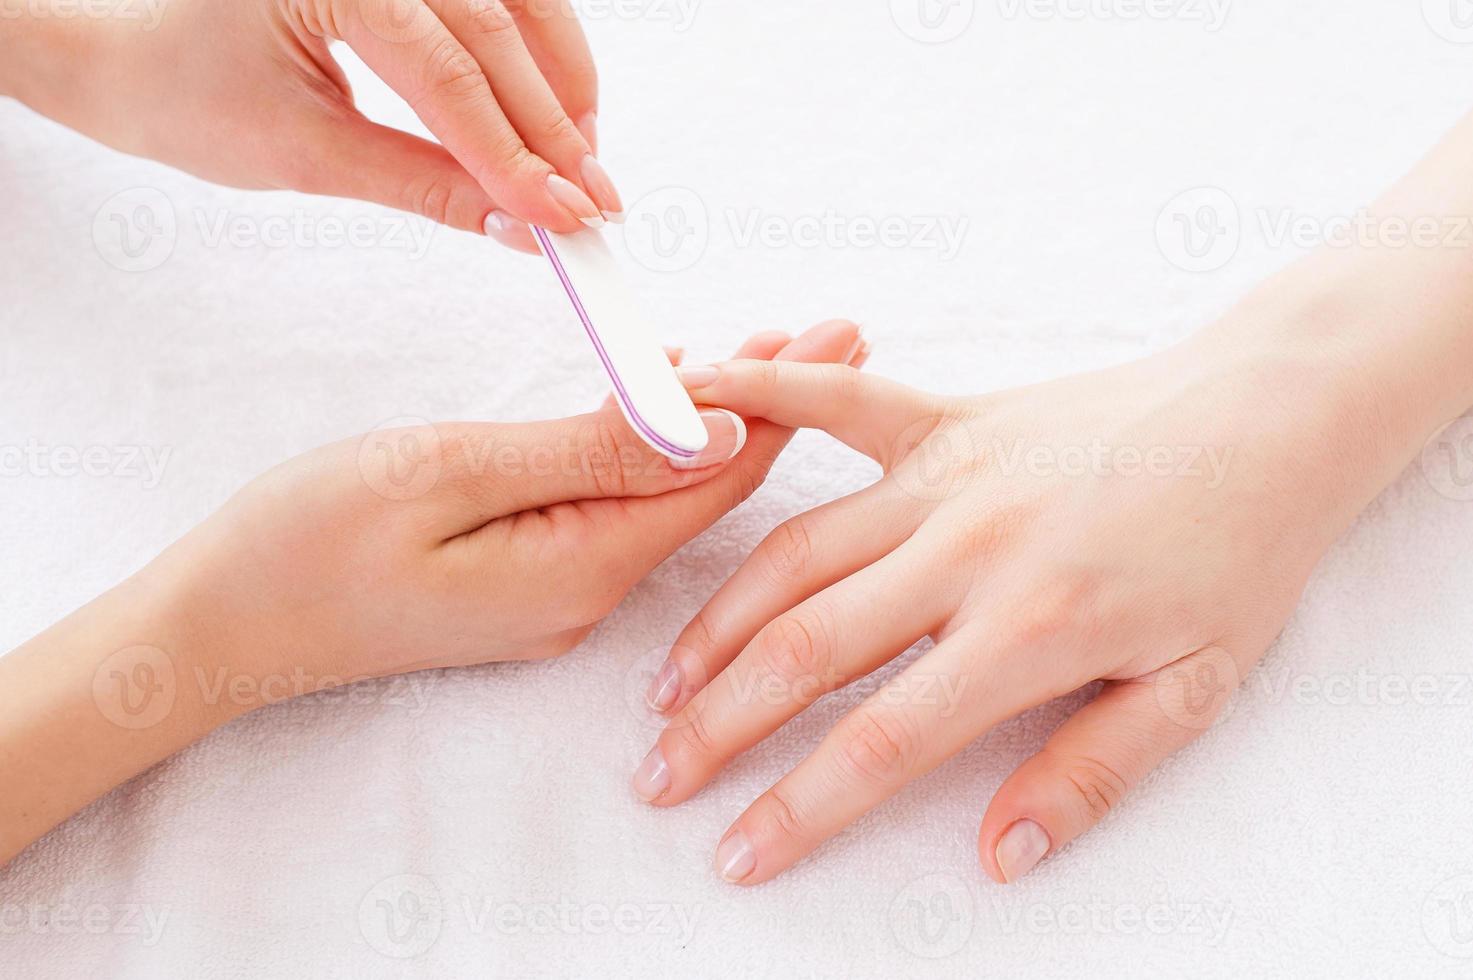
[1382, 325]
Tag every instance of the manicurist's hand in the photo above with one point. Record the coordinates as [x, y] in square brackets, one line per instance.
[246, 93]
[1150, 526]
[426, 547]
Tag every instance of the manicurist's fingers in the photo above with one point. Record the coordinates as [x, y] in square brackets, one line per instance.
[558, 45]
[346, 155]
[1098, 756]
[802, 556]
[646, 531]
[844, 632]
[411, 49]
[867, 413]
[493, 37]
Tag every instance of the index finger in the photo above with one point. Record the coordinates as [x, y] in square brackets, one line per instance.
[414, 52]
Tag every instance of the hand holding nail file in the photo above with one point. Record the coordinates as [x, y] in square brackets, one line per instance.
[650, 395]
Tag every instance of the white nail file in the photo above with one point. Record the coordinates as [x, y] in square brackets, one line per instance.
[650, 395]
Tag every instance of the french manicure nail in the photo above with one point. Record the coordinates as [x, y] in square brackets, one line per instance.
[855, 346]
[588, 126]
[602, 189]
[511, 232]
[665, 688]
[735, 857]
[1022, 847]
[652, 778]
[567, 193]
[726, 434]
[698, 376]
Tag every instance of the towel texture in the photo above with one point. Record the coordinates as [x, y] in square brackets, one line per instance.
[993, 189]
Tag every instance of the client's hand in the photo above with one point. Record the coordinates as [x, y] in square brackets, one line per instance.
[429, 547]
[1150, 526]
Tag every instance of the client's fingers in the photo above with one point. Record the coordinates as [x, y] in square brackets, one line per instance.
[801, 556]
[843, 633]
[868, 413]
[647, 530]
[1094, 759]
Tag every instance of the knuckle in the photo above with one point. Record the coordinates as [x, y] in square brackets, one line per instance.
[696, 736]
[1052, 609]
[878, 747]
[558, 129]
[843, 382]
[789, 551]
[1099, 787]
[795, 648]
[743, 481]
[785, 815]
[599, 452]
[699, 633]
[432, 197]
[451, 73]
[490, 19]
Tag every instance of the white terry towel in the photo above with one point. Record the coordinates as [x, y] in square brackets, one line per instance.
[478, 822]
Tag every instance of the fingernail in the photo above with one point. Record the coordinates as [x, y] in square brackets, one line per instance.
[652, 778]
[665, 688]
[605, 195]
[735, 857]
[698, 376]
[1022, 847]
[511, 232]
[863, 355]
[566, 193]
[854, 347]
[726, 434]
[588, 126]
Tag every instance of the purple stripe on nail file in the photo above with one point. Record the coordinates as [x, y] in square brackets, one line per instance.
[645, 385]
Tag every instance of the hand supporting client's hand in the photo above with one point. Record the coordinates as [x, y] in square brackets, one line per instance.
[438, 546]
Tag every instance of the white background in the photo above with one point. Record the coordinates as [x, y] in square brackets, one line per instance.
[1323, 831]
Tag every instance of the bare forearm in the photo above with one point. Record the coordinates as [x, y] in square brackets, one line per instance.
[92, 702]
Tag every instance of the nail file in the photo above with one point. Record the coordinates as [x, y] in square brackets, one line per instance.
[650, 395]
